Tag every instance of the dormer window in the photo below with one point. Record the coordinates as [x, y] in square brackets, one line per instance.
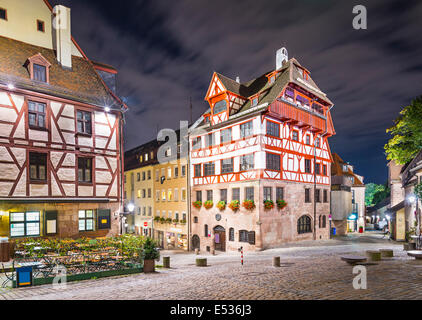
[40, 26]
[3, 14]
[220, 106]
[254, 101]
[38, 68]
[272, 79]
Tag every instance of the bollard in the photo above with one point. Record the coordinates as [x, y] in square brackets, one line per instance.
[276, 261]
[196, 251]
[166, 262]
[201, 262]
[373, 255]
[213, 252]
[387, 253]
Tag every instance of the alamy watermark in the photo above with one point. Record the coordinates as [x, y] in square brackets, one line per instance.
[359, 281]
[360, 21]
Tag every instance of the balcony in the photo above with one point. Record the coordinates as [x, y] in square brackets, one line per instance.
[300, 115]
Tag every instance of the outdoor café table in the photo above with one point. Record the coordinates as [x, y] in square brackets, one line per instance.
[418, 240]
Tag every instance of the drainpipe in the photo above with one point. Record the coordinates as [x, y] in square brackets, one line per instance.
[188, 193]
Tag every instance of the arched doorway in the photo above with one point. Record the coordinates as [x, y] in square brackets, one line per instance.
[196, 243]
[220, 238]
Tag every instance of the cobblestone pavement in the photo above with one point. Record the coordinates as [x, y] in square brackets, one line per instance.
[314, 271]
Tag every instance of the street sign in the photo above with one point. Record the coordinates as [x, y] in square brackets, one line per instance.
[145, 224]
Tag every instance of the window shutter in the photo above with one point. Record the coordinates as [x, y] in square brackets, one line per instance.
[104, 219]
[51, 222]
[251, 237]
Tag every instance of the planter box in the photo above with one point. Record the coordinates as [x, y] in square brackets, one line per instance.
[149, 266]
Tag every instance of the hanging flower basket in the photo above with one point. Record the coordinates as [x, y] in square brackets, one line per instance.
[208, 204]
[221, 205]
[234, 205]
[249, 204]
[281, 204]
[268, 204]
[162, 220]
[197, 204]
[169, 220]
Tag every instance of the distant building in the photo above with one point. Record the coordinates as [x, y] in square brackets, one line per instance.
[347, 197]
[257, 145]
[379, 212]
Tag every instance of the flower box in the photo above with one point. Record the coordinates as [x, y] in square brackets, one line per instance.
[268, 204]
[208, 204]
[234, 205]
[281, 204]
[249, 204]
[221, 205]
[197, 204]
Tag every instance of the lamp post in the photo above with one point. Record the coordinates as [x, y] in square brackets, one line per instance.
[131, 207]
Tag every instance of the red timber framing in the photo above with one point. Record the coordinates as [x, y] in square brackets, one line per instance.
[62, 144]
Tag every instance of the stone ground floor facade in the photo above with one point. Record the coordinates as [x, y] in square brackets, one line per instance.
[63, 220]
[171, 235]
[258, 228]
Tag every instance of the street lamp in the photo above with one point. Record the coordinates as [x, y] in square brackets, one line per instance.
[131, 207]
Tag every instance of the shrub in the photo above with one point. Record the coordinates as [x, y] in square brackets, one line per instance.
[221, 205]
[234, 205]
[208, 204]
[149, 250]
[281, 204]
[197, 204]
[249, 204]
[268, 204]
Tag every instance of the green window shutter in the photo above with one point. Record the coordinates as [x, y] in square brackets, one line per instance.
[104, 219]
[51, 222]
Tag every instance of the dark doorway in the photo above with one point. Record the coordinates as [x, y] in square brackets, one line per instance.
[196, 243]
[220, 238]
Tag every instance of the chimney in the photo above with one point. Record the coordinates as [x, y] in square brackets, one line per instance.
[281, 57]
[238, 79]
[62, 35]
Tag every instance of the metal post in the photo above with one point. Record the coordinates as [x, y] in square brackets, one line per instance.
[315, 185]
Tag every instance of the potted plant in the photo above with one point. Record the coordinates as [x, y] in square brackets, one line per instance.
[175, 220]
[249, 204]
[234, 205]
[197, 204]
[221, 205]
[157, 219]
[268, 204]
[150, 253]
[208, 204]
[168, 220]
[281, 204]
[162, 220]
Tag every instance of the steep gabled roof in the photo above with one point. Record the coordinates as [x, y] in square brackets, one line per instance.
[337, 170]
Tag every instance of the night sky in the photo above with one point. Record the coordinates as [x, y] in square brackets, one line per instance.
[166, 51]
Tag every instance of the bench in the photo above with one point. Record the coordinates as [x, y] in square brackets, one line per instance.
[353, 259]
[387, 253]
[417, 254]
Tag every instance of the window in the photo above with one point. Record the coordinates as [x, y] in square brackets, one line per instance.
[209, 169]
[236, 194]
[183, 194]
[273, 129]
[138, 177]
[210, 140]
[223, 195]
[246, 129]
[85, 170]
[227, 165]
[195, 219]
[146, 156]
[279, 193]
[40, 73]
[86, 220]
[38, 166]
[149, 174]
[144, 211]
[3, 14]
[220, 106]
[169, 173]
[273, 161]
[157, 175]
[143, 176]
[176, 216]
[295, 135]
[268, 193]
[324, 221]
[163, 195]
[247, 162]
[84, 122]
[149, 193]
[196, 144]
[317, 142]
[231, 234]
[307, 195]
[176, 194]
[304, 225]
[324, 170]
[206, 231]
[144, 193]
[254, 102]
[243, 236]
[209, 195]
[317, 168]
[184, 217]
[308, 139]
[308, 166]
[249, 193]
[176, 172]
[199, 195]
[318, 195]
[139, 193]
[183, 171]
[157, 195]
[40, 26]
[149, 211]
[24, 224]
[170, 195]
[226, 135]
[325, 196]
[36, 114]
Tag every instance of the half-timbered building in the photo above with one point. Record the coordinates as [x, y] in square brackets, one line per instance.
[60, 129]
[262, 144]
